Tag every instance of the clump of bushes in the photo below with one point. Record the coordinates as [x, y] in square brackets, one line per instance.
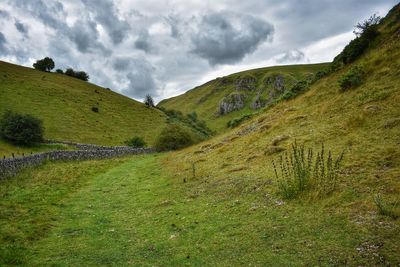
[173, 137]
[136, 142]
[352, 78]
[365, 32]
[300, 170]
[77, 74]
[21, 129]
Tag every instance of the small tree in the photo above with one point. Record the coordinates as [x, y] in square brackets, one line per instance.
[367, 26]
[148, 101]
[60, 71]
[22, 129]
[46, 64]
[70, 72]
[136, 142]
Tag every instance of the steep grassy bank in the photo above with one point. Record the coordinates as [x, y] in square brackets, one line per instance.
[65, 106]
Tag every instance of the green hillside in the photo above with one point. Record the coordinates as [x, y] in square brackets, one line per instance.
[65, 106]
[219, 203]
[267, 83]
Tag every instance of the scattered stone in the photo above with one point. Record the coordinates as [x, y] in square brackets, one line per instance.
[372, 108]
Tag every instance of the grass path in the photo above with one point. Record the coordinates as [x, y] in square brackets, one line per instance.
[128, 212]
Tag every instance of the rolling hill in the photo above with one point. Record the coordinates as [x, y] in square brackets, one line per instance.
[226, 98]
[65, 106]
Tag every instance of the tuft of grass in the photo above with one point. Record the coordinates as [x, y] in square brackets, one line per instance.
[299, 171]
[385, 208]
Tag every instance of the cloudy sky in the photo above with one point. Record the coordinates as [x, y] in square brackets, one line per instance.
[164, 48]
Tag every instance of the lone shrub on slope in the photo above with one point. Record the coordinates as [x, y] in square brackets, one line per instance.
[21, 129]
[173, 137]
[352, 78]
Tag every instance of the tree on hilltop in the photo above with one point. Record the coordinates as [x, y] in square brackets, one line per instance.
[148, 101]
[45, 64]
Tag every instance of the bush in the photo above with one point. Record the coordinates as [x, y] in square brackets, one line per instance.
[21, 129]
[95, 109]
[300, 171]
[136, 142]
[173, 137]
[77, 74]
[59, 71]
[352, 78]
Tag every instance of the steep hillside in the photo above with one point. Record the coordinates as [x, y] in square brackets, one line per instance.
[233, 96]
[65, 105]
[363, 121]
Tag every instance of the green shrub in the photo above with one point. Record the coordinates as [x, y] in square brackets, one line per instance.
[300, 171]
[366, 33]
[173, 137]
[95, 109]
[237, 121]
[136, 142]
[352, 78]
[21, 129]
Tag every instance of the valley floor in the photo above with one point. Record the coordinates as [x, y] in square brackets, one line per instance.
[130, 211]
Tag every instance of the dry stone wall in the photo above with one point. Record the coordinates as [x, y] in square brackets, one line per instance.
[12, 166]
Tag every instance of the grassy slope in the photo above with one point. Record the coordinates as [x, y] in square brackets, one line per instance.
[64, 104]
[214, 92]
[150, 210]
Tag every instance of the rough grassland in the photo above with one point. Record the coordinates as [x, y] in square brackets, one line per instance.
[212, 92]
[64, 104]
[131, 212]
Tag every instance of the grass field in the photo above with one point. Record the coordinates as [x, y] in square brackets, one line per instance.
[64, 104]
[131, 212]
[213, 92]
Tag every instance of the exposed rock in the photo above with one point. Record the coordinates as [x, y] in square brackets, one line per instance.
[278, 84]
[246, 83]
[257, 102]
[372, 108]
[231, 103]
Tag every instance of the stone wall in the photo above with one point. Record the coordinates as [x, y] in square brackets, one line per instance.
[12, 166]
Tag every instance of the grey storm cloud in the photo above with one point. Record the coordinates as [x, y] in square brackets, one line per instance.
[291, 56]
[143, 42]
[21, 27]
[108, 38]
[106, 14]
[3, 41]
[225, 38]
[139, 74]
[4, 14]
